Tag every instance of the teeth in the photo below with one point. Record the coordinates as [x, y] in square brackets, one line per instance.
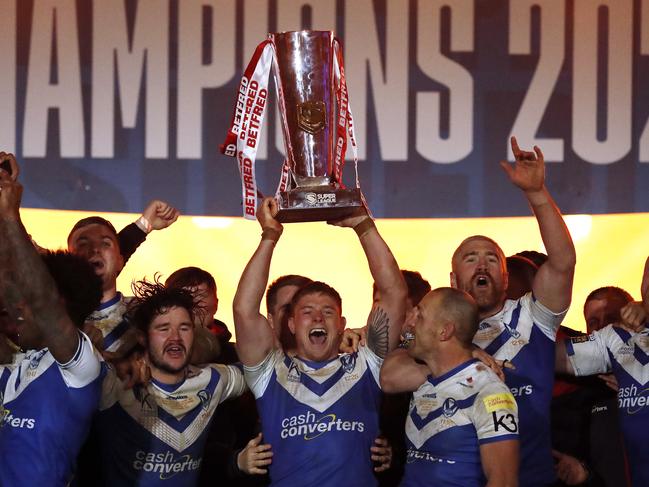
[318, 331]
[482, 280]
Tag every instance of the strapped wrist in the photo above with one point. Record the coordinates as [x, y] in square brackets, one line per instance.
[364, 226]
[271, 234]
[144, 224]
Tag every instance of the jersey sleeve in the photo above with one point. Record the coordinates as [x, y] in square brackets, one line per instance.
[588, 354]
[495, 414]
[110, 388]
[546, 320]
[84, 367]
[258, 376]
[373, 361]
[234, 383]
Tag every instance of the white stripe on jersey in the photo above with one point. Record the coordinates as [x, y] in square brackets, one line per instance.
[348, 368]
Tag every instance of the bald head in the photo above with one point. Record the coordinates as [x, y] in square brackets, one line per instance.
[446, 304]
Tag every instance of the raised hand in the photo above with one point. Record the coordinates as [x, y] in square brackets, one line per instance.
[9, 165]
[160, 214]
[10, 195]
[266, 215]
[528, 170]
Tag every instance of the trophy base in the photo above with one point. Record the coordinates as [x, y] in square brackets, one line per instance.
[318, 203]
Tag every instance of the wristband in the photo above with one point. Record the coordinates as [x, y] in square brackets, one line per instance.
[144, 224]
[364, 226]
[270, 234]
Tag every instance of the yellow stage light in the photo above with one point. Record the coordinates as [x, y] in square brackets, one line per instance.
[611, 250]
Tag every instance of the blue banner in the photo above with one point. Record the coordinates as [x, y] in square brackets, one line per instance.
[111, 103]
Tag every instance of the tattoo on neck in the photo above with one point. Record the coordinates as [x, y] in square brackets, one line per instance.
[377, 332]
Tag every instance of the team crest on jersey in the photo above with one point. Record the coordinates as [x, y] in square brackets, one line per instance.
[348, 362]
[205, 398]
[449, 408]
[35, 359]
[512, 331]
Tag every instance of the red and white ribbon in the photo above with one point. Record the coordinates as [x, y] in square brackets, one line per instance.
[242, 139]
[345, 121]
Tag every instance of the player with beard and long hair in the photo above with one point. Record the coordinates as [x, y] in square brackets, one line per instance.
[157, 430]
[523, 331]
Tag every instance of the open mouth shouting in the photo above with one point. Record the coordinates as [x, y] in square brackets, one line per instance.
[318, 336]
[175, 351]
[98, 265]
[482, 281]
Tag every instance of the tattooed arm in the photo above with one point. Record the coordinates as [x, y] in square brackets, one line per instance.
[387, 315]
[25, 277]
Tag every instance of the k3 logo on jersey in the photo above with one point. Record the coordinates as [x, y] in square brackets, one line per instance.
[504, 421]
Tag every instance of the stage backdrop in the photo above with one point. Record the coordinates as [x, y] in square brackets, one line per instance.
[111, 103]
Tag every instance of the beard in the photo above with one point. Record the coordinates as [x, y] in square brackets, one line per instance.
[487, 297]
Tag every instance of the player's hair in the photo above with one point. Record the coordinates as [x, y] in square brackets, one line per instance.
[191, 277]
[539, 258]
[76, 282]
[456, 254]
[279, 283]
[461, 309]
[153, 298]
[316, 287]
[521, 272]
[93, 220]
[417, 286]
[617, 296]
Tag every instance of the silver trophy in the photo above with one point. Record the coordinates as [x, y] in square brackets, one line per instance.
[305, 80]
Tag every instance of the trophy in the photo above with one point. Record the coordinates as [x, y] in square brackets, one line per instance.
[316, 122]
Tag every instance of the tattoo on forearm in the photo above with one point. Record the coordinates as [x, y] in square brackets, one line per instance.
[378, 326]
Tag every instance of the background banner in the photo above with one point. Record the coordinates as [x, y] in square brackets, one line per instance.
[111, 103]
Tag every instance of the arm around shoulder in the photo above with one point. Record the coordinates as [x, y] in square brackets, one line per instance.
[401, 373]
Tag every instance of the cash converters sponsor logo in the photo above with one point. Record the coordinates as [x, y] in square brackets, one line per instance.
[165, 464]
[522, 390]
[6, 418]
[632, 399]
[414, 455]
[310, 427]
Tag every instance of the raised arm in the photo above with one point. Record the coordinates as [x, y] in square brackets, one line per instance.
[388, 312]
[553, 282]
[255, 338]
[26, 279]
[156, 216]
[644, 288]
[400, 373]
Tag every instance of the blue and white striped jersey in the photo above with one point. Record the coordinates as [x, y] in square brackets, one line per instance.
[450, 417]
[524, 332]
[155, 435]
[109, 319]
[45, 412]
[321, 418]
[613, 349]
